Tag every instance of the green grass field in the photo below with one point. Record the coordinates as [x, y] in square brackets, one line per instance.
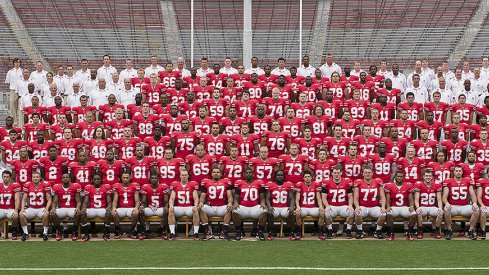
[245, 254]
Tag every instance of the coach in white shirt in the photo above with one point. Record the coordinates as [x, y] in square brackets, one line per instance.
[21, 89]
[204, 67]
[48, 101]
[281, 70]
[128, 72]
[59, 79]
[446, 95]
[457, 84]
[154, 68]
[227, 69]
[447, 74]
[398, 78]
[13, 76]
[38, 76]
[383, 70]
[485, 68]
[471, 96]
[357, 69]
[330, 67]
[478, 84]
[427, 71]
[128, 94]
[106, 70]
[254, 69]
[181, 67]
[435, 83]
[420, 92]
[424, 80]
[91, 84]
[26, 100]
[84, 73]
[100, 95]
[73, 100]
[69, 80]
[466, 72]
[114, 87]
[306, 69]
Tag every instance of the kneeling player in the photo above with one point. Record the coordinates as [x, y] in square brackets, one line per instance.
[428, 202]
[155, 200]
[126, 204]
[308, 203]
[337, 197]
[457, 192]
[10, 202]
[66, 203]
[249, 202]
[280, 199]
[183, 201]
[366, 198]
[96, 204]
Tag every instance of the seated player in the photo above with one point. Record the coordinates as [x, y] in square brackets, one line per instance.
[126, 204]
[366, 198]
[483, 201]
[249, 202]
[36, 202]
[155, 199]
[10, 202]
[308, 203]
[280, 200]
[428, 202]
[66, 203]
[96, 204]
[183, 201]
[457, 192]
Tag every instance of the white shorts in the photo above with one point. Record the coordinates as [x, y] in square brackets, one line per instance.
[31, 213]
[65, 212]
[402, 211]
[148, 212]
[281, 212]
[373, 212]
[339, 211]
[181, 211]
[462, 210]
[430, 211]
[6, 213]
[215, 211]
[96, 213]
[310, 212]
[249, 212]
[124, 212]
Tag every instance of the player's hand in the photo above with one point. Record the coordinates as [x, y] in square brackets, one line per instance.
[15, 214]
[411, 209]
[440, 211]
[327, 209]
[419, 211]
[383, 210]
[483, 208]
[235, 207]
[83, 211]
[77, 211]
[475, 207]
[350, 209]
[172, 209]
[51, 213]
[359, 210]
[201, 204]
[229, 207]
[153, 207]
[165, 210]
[321, 211]
[388, 210]
[195, 209]
[271, 210]
[298, 211]
[448, 207]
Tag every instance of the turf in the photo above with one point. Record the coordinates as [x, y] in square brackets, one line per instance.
[217, 253]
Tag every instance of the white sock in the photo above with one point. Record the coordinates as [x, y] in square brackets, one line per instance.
[196, 229]
[24, 228]
[406, 225]
[379, 227]
[349, 226]
[65, 226]
[329, 226]
[146, 224]
[45, 230]
[172, 228]
[360, 226]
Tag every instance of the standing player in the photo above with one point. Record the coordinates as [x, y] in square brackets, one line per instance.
[185, 141]
[169, 167]
[110, 168]
[199, 164]
[248, 144]
[264, 166]
[145, 122]
[352, 163]
[294, 164]
[233, 166]
[275, 140]
[82, 171]
[52, 167]
[140, 166]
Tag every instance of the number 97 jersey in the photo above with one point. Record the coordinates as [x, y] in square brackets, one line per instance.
[98, 196]
[216, 191]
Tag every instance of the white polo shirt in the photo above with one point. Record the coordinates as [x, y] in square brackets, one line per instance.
[152, 69]
[99, 97]
[131, 73]
[278, 71]
[228, 71]
[184, 71]
[22, 86]
[68, 84]
[467, 75]
[202, 72]
[447, 95]
[73, 100]
[420, 93]
[327, 70]
[126, 97]
[456, 85]
[106, 73]
[428, 72]
[423, 80]
[478, 85]
[48, 101]
[257, 70]
[399, 81]
[83, 75]
[12, 77]
[38, 78]
[306, 71]
[485, 73]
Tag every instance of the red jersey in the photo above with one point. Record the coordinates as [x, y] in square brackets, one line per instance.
[67, 195]
[294, 166]
[258, 125]
[169, 170]
[276, 143]
[190, 109]
[322, 170]
[425, 151]
[366, 146]
[177, 96]
[202, 126]
[439, 111]
[55, 112]
[376, 126]
[337, 193]
[7, 195]
[286, 91]
[336, 147]
[358, 109]
[412, 110]
[368, 194]
[82, 173]
[126, 148]
[79, 112]
[484, 185]
[463, 130]
[23, 169]
[58, 129]
[454, 151]
[256, 90]
[53, 170]
[352, 168]
[185, 143]
[215, 146]
[216, 108]
[441, 172]
[427, 194]
[133, 109]
[367, 89]
[458, 192]
[311, 92]
[233, 169]
[475, 129]
[126, 194]
[153, 93]
[231, 127]
[405, 128]
[246, 145]
[263, 169]
[395, 147]
[399, 195]
[338, 89]
[302, 111]
[168, 79]
[308, 148]
[245, 109]
[36, 194]
[382, 166]
[464, 111]
[412, 169]
[200, 168]
[173, 124]
[474, 171]
[319, 126]
[108, 112]
[275, 108]
[98, 149]
[234, 93]
[348, 129]
[387, 112]
[331, 109]
[30, 130]
[29, 111]
[87, 130]
[216, 191]
[145, 125]
[292, 127]
[183, 193]
[392, 95]
[481, 150]
[279, 194]
[202, 94]
[140, 168]
[70, 148]
[110, 172]
[308, 198]
[434, 129]
[40, 150]
[155, 196]
[116, 128]
[249, 193]
[98, 196]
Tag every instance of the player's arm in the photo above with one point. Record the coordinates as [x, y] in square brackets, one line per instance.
[236, 198]
[195, 196]
[86, 202]
[479, 197]
[24, 202]
[17, 202]
[78, 201]
[411, 201]
[171, 201]
[385, 201]
[445, 196]
[319, 199]
[297, 201]
[416, 199]
[115, 200]
[356, 196]
[203, 194]
[144, 199]
[229, 193]
[55, 201]
[49, 202]
[263, 194]
[137, 202]
[473, 197]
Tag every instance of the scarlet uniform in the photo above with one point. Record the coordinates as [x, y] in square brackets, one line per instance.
[302, 111]
[215, 146]
[153, 93]
[216, 108]
[463, 130]
[311, 91]
[352, 168]
[185, 143]
[392, 95]
[168, 79]
[476, 128]
[12, 149]
[157, 148]
[232, 127]
[484, 184]
[139, 83]
[126, 148]
[233, 169]
[405, 128]
[385, 112]
[259, 125]
[368, 193]
[295, 81]
[216, 191]
[337, 148]
[412, 169]
[308, 148]
[190, 109]
[293, 127]
[58, 129]
[55, 112]
[412, 110]
[140, 168]
[79, 112]
[126, 194]
[246, 145]
[279, 193]
[337, 194]
[245, 109]
[82, 174]
[308, 194]
[348, 129]
[319, 126]
[474, 171]
[145, 125]
[294, 166]
[366, 90]
[378, 80]
[200, 167]
[173, 124]
[169, 170]
[110, 172]
[23, 169]
[276, 143]
[382, 166]
[358, 109]
[98, 196]
[256, 90]
[233, 94]
[338, 89]
[263, 169]
[285, 91]
[249, 193]
[481, 151]
[7, 193]
[216, 79]
[395, 147]
[427, 195]
[458, 192]
[202, 94]
[53, 169]
[70, 148]
[275, 109]
[331, 110]
[433, 129]
[399, 195]
[36, 195]
[366, 146]
[441, 172]
[177, 96]
[439, 111]
[4, 133]
[29, 111]
[425, 151]
[322, 170]
[155, 195]
[86, 130]
[464, 111]
[98, 150]
[30, 131]
[269, 80]
[202, 126]
[133, 109]
[454, 151]
[377, 127]
[66, 196]
[108, 112]
[117, 128]
[183, 193]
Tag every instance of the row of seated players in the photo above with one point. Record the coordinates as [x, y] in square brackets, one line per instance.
[248, 199]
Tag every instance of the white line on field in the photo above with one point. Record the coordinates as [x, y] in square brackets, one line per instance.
[245, 268]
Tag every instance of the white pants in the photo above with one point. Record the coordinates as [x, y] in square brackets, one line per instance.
[430, 211]
[215, 211]
[96, 213]
[14, 106]
[373, 212]
[148, 212]
[249, 212]
[402, 211]
[339, 211]
[281, 212]
[6, 213]
[462, 210]
[65, 212]
[181, 211]
[310, 212]
[31, 213]
[124, 212]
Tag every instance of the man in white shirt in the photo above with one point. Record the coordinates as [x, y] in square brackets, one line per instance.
[485, 68]
[84, 73]
[38, 76]
[457, 84]
[427, 71]
[128, 94]
[329, 67]
[446, 94]
[154, 68]
[254, 69]
[281, 70]
[73, 100]
[357, 69]
[398, 78]
[480, 101]
[478, 83]
[114, 87]
[227, 69]
[466, 72]
[100, 95]
[306, 69]
[91, 84]
[106, 70]
[59, 79]
[69, 80]
[181, 67]
[22, 84]
[48, 101]
[447, 74]
[435, 83]
[471, 96]
[424, 81]
[383, 70]
[128, 72]
[14, 75]
[204, 67]
[26, 100]
[420, 92]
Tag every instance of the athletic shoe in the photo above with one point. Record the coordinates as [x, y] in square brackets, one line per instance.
[65, 233]
[14, 234]
[461, 233]
[172, 237]
[164, 236]
[45, 237]
[321, 235]
[329, 234]
[472, 235]
[483, 235]
[270, 236]
[260, 236]
[420, 234]
[225, 236]
[238, 236]
[59, 237]
[208, 236]
[74, 236]
[410, 236]
[25, 237]
[391, 236]
[298, 236]
[378, 234]
[348, 234]
[85, 238]
[196, 237]
[449, 234]
[291, 237]
[143, 236]
[134, 234]
[360, 234]
[437, 235]
[117, 234]
[106, 236]
[221, 235]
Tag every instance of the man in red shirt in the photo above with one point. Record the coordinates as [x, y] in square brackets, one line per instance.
[66, 203]
[199, 164]
[308, 203]
[145, 122]
[126, 203]
[185, 141]
[169, 167]
[140, 166]
[352, 163]
[10, 203]
[154, 197]
[52, 167]
[23, 167]
[428, 201]
[264, 166]
[276, 140]
[294, 164]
